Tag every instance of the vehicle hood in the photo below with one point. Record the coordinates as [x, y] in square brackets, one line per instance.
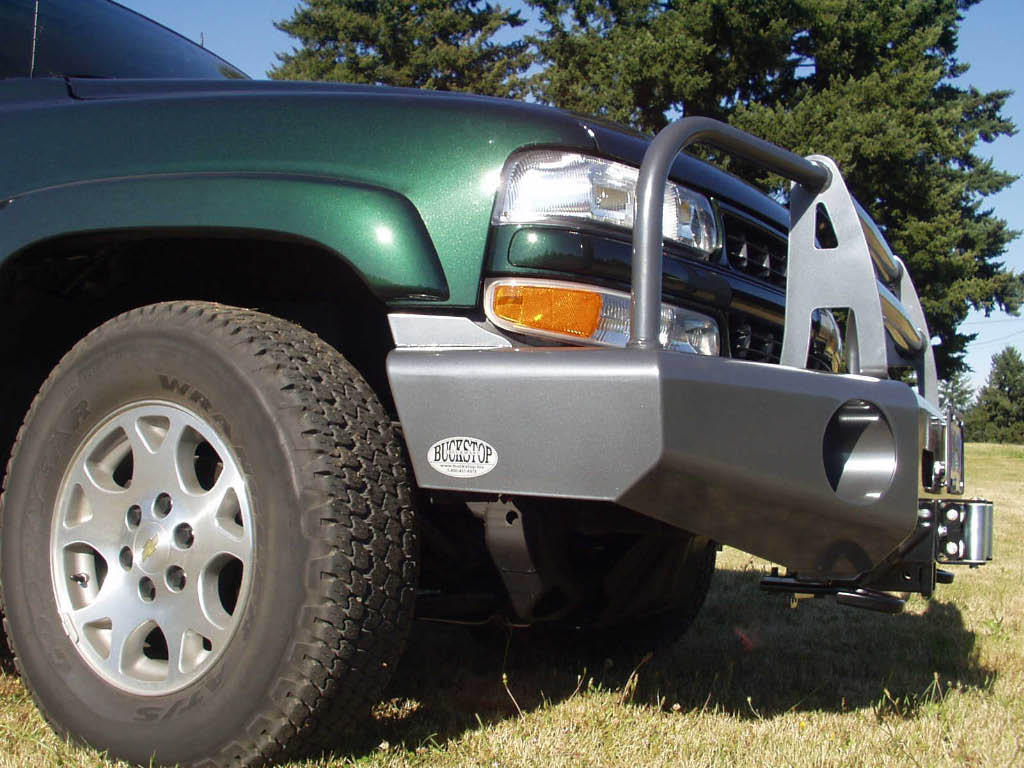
[610, 140]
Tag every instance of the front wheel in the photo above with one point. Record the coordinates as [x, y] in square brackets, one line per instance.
[208, 546]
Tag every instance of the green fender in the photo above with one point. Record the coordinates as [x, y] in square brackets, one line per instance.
[377, 232]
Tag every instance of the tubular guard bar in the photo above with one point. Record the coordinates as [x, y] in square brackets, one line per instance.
[887, 325]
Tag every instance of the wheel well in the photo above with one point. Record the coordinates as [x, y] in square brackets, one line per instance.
[54, 293]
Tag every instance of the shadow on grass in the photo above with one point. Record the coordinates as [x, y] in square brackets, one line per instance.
[748, 654]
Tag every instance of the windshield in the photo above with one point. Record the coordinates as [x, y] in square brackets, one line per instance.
[97, 38]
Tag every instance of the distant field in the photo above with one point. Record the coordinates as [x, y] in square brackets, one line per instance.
[754, 683]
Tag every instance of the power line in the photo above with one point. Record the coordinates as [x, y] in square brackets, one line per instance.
[993, 322]
[995, 341]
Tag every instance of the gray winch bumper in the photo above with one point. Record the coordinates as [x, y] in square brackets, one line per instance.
[741, 452]
[821, 473]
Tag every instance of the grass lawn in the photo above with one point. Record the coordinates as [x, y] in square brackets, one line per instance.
[755, 682]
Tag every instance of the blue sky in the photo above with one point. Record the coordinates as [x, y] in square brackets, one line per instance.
[242, 32]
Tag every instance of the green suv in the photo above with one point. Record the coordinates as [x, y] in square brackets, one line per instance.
[288, 365]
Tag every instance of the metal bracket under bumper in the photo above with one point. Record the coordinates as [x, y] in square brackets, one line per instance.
[948, 532]
[816, 472]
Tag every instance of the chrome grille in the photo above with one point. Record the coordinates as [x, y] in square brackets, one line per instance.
[760, 341]
[755, 340]
[754, 250]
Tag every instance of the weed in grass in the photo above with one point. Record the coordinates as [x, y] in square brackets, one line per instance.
[909, 705]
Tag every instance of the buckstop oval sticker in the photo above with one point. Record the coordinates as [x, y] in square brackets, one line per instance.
[462, 457]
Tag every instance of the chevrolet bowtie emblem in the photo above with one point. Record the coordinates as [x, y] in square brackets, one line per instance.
[150, 547]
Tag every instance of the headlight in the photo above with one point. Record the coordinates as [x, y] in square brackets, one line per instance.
[545, 185]
[587, 314]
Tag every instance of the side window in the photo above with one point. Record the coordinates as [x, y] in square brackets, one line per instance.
[98, 38]
[15, 37]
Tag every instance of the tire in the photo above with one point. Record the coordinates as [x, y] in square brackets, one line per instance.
[654, 593]
[682, 596]
[263, 525]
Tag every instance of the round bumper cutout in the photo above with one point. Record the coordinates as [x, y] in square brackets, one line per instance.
[859, 452]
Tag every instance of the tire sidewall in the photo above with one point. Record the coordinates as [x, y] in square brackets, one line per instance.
[172, 359]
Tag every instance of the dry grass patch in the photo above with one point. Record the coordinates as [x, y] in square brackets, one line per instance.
[755, 682]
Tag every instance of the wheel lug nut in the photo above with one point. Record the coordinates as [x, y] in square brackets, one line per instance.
[183, 536]
[125, 558]
[162, 505]
[134, 516]
[147, 589]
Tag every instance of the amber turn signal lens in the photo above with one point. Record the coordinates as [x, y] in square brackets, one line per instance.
[578, 313]
[542, 308]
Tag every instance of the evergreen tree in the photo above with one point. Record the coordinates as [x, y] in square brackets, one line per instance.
[956, 391]
[447, 46]
[998, 416]
[871, 83]
[635, 61]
